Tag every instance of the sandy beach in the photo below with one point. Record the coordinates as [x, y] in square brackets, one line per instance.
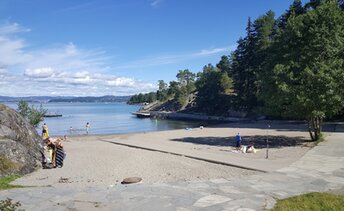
[102, 160]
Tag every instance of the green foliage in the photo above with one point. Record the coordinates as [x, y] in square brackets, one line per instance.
[295, 9]
[225, 65]
[173, 88]
[306, 79]
[143, 98]
[162, 85]
[310, 202]
[212, 86]
[37, 115]
[23, 108]
[249, 58]
[291, 67]
[161, 94]
[185, 77]
[181, 96]
[5, 182]
[33, 114]
[9, 205]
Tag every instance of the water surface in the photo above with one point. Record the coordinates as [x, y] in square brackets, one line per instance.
[105, 118]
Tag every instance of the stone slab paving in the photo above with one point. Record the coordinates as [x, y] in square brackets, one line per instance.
[321, 169]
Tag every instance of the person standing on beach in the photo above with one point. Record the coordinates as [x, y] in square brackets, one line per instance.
[238, 140]
[45, 131]
[87, 126]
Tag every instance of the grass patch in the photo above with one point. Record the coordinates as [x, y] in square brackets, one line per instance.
[5, 182]
[311, 201]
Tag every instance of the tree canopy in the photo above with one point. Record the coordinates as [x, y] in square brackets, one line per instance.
[290, 67]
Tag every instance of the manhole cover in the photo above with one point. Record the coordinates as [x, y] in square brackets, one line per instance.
[131, 180]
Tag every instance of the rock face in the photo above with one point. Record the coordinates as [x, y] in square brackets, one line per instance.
[20, 144]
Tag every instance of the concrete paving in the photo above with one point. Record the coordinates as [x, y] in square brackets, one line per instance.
[321, 169]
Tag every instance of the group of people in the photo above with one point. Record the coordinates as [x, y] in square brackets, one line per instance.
[87, 127]
[245, 149]
[53, 151]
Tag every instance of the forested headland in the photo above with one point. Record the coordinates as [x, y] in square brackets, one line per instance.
[289, 67]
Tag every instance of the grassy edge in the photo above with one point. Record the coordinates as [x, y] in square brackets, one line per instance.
[5, 182]
[310, 201]
[321, 139]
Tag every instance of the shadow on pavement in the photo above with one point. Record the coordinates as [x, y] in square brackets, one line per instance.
[258, 141]
[283, 125]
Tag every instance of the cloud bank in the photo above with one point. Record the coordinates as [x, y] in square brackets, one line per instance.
[59, 70]
[68, 70]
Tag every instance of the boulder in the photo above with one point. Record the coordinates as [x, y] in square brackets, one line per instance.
[20, 145]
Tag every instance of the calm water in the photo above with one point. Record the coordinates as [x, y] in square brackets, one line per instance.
[105, 118]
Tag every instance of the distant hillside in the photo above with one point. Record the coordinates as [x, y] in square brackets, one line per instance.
[107, 98]
[30, 98]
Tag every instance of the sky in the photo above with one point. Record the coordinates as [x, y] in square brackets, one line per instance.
[115, 47]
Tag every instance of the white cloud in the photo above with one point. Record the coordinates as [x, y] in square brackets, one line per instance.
[59, 70]
[12, 28]
[3, 71]
[155, 3]
[11, 48]
[82, 6]
[70, 70]
[206, 52]
[175, 58]
[39, 72]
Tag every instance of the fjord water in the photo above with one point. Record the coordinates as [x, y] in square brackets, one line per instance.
[105, 118]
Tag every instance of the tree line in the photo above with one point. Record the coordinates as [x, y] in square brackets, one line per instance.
[286, 67]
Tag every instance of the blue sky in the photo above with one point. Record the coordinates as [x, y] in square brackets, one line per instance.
[116, 47]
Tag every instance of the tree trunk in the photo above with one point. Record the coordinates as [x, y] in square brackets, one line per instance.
[315, 127]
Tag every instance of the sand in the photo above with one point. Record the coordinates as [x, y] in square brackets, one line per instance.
[96, 161]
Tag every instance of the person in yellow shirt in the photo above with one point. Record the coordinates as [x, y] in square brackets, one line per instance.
[45, 131]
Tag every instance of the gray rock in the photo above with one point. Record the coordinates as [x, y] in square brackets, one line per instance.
[20, 145]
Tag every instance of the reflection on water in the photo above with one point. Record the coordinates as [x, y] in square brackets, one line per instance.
[104, 118]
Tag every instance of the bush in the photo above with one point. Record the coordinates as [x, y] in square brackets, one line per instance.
[32, 114]
[9, 205]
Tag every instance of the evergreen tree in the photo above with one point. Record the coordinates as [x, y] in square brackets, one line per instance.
[295, 9]
[306, 81]
[248, 59]
[242, 68]
[212, 85]
[186, 79]
[225, 65]
[161, 94]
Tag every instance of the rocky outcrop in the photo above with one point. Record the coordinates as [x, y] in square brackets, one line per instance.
[20, 144]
